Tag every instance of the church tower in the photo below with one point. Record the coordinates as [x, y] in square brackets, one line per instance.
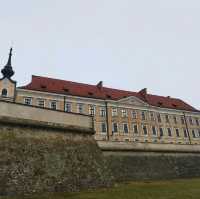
[7, 85]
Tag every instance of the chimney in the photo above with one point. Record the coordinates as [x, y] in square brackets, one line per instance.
[143, 93]
[100, 85]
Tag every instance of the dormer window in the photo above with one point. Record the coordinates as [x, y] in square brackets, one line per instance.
[174, 105]
[66, 90]
[43, 86]
[90, 93]
[108, 96]
[4, 93]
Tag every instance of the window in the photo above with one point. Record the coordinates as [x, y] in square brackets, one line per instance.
[134, 114]
[167, 118]
[124, 113]
[169, 132]
[91, 109]
[197, 122]
[68, 107]
[103, 127]
[135, 128]
[190, 120]
[114, 112]
[185, 133]
[53, 105]
[159, 117]
[41, 103]
[193, 134]
[182, 120]
[28, 101]
[125, 127]
[114, 127]
[161, 131]
[175, 120]
[154, 130]
[152, 116]
[80, 108]
[102, 111]
[143, 115]
[144, 130]
[4, 93]
[177, 133]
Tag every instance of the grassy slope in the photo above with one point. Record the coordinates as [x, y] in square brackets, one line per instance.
[175, 189]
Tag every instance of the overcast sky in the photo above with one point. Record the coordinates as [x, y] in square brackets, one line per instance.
[128, 44]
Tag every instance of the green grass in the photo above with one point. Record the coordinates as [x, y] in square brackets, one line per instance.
[173, 189]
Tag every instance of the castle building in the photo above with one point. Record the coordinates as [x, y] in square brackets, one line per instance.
[118, 115]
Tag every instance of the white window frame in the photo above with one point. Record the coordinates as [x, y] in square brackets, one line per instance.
[134, 114]
[80, 108]
[155, 131]
[160, 127]
[114, 112]
[50, 104]
[143, 115]
[66, 105]
[124, 112]
[101, 129]
[28, 98]
[92, 109]
[102, 111]
[152, 116]
[178, 132]
[38, 103]
[170, 132]
[113, 127]
[133, 126]
[143, 125]
[123, 125]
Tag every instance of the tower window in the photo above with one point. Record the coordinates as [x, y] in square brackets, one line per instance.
[4, 93]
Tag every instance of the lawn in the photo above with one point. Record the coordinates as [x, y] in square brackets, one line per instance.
[173, 189]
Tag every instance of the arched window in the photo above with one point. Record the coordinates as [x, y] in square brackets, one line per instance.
[4, 92]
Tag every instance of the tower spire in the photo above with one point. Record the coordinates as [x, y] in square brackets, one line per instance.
[7, 71]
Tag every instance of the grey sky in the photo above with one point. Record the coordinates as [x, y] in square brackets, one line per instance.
[129, 44]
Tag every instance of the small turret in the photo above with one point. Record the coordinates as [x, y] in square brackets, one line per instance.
[7, 71]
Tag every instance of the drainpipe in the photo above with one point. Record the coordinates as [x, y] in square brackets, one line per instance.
[107, 120]
[187, 128]
[64, 103]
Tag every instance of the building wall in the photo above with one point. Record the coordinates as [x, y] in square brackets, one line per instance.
[136, 106]
[48, 157]
[19, 111]
[9, 86]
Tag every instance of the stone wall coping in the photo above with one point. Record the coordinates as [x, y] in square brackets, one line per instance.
[45, 125]
[147, 147]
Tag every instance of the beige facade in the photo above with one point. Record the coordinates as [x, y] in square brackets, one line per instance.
[129, 120]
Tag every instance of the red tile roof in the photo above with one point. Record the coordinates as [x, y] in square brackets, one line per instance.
[51, 85]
